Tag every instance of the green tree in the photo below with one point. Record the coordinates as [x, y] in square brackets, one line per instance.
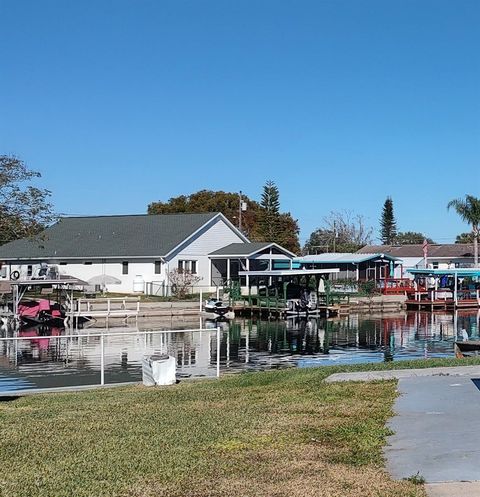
[288, 231]
[227, 203]
[270, 215]
[213, 201]
[340, 232]
[411, 238]
[388, 225]
[464, 238]
[468, 209]
[24, 208]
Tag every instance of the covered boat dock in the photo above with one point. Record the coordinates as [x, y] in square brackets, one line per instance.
[445, 289]
[270, 291]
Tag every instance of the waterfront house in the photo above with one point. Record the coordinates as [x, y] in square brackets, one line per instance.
[439, 256]
[127, 252]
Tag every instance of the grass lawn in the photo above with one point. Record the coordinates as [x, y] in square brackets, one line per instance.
[276, 434]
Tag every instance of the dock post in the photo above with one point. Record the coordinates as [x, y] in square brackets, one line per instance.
[218, 351]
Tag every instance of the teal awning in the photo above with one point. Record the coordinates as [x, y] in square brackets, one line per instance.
[460, 272]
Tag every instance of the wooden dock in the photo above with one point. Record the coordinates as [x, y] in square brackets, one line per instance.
[104, 308]
[245, 309]
[442, 304]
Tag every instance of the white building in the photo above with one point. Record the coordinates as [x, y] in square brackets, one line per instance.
[138, 250]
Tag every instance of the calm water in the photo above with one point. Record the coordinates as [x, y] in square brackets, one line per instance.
[245, 345]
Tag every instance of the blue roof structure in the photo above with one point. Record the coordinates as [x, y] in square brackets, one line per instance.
[461, 272]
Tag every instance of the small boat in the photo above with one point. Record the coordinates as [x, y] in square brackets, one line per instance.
[216, 308]
[41, 312]
[467, 348]
[304, 306]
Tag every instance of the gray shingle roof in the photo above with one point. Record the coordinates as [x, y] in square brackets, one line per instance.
[434, 250]
[109, 236]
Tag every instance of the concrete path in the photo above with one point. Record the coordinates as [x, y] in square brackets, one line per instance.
[457, 489]
[435, 427]
[405, 373]
[436, 432]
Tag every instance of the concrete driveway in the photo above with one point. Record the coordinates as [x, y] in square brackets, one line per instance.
[437, 434]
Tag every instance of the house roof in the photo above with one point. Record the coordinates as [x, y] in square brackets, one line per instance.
[247, 249]
[341, 258]
[109, 236]
[434, 250]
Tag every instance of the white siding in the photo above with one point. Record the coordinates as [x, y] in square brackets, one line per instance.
[211, 238]
[111, 267]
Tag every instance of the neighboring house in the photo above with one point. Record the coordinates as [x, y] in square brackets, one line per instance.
[140, 249]
[439, 256]
[358, 267]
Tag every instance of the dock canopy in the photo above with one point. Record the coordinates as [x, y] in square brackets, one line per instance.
[460, 272]
[230, 262]
[361, 267]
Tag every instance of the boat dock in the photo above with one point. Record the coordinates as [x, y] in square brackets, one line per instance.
[104, 308]
[445, 289]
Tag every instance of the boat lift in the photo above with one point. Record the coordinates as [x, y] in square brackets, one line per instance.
[19, 288]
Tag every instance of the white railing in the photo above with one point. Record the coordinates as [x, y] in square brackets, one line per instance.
[103, 335]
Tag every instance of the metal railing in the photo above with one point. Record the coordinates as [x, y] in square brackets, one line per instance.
[103, 335]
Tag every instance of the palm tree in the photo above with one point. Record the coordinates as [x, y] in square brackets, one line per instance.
[469, 210]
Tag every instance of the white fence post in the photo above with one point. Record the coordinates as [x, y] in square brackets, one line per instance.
[102, 360]
[201, 297]
[218, 351]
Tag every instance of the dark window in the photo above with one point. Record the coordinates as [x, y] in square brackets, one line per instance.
[29, 270]
[193, 267]
[158, 267]
[87, 263]
[63, 264]
[180, 266]
[125, 267]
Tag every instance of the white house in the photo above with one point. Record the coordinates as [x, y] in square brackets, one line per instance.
[438, 256]
[138, 250]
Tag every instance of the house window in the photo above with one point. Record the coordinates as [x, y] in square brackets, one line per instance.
[435, 265]
[125, 267]
[158, 267]
[87, 263]
[29, 270]
[63, 264]
[187, 266]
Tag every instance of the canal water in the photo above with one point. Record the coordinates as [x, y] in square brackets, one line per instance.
[47, 358]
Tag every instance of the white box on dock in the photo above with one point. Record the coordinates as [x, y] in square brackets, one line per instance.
[158, 370]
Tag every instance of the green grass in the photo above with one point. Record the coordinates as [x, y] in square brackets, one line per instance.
[280, 433]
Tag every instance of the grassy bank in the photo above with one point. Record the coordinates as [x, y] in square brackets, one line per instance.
[281, 433]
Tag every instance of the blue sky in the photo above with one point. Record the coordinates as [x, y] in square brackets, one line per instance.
[120, 103]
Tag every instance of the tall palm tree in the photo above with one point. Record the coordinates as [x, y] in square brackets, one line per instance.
[469, 210]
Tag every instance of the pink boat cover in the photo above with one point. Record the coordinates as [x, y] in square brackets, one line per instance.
[31, 309]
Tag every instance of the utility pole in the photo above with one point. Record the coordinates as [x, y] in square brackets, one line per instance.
[334, 236]
[242, 206]
[240, 211]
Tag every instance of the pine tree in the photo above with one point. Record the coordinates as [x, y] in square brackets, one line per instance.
[270, 218]
[270, 198]
[388, 230]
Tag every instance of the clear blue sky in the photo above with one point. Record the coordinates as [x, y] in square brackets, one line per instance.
[341, 102]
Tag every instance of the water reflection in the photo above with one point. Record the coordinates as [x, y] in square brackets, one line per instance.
[49, 359]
